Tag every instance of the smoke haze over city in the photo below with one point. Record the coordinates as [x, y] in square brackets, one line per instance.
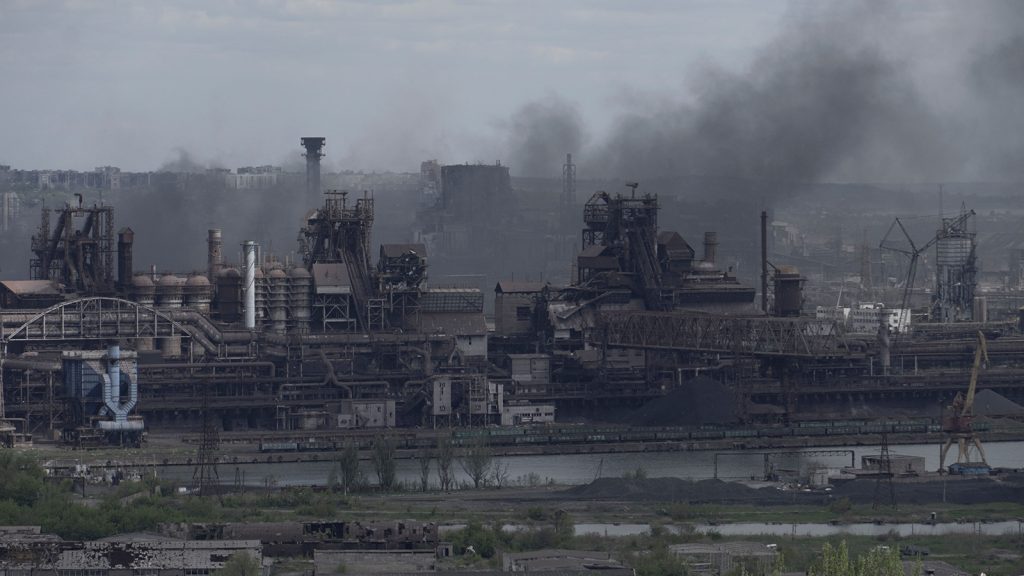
[792, 91]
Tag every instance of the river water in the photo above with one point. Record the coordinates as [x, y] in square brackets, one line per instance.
[1011, 527]
[583, 468]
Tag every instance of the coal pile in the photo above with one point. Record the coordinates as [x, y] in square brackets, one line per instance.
[675, 490]
[952, 490]
[992, 403]
[697, 402]
[1007, 487]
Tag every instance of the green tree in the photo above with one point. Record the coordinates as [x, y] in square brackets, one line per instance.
[383, 459]
[879, 561]
[565, 528]
[240, 564]
[659, 561]
[476, 537]
[445, 458]
[425, 470]
[476, 461]
[21, 479]
[350, 477]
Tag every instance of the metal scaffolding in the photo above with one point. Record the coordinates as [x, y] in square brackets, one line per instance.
[79, 252]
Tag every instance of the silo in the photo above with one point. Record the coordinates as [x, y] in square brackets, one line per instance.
[300, 285]
[168, 291]
[278, 303]
[168, 296]
[143, 290]
[197, 293]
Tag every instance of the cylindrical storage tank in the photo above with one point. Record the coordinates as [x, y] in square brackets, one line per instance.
[169, 291]
[954, 251]
[170, 346]
[278, 305]
[980, 309]
[229, 295]
[197, 293]
[169, 296]
[788, 291]
[300, 311]
[144, 292]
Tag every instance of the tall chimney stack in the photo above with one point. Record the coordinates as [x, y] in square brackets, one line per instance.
[250, 284]
[214, 254]
[764, 261]
[125, 239]
[710, 246]
[314, 146]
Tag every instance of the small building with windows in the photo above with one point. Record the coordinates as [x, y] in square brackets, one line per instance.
[519, 413]
[514, 304]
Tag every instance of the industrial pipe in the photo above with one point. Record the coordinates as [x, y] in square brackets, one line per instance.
[250, 285]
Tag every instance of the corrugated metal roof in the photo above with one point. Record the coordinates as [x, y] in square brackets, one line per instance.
[507, 286]
[30, 287]
[453, 323]
[396, 250]
[451, 300]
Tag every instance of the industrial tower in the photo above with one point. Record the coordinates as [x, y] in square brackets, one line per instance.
[314, 146]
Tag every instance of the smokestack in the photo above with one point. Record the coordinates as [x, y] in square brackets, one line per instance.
[214, 254]
[568, 182]
[710, 246]
[314, 152]
[250, 284]
[764, 261]
[125, 239]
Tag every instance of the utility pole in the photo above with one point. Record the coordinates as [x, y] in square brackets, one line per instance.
[205, 479]
[885, 475]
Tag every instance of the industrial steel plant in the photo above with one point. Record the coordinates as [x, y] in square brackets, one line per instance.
[297, 352]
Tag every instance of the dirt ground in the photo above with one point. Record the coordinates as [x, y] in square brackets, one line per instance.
[643, 500]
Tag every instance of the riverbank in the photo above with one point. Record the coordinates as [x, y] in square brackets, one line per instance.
[175, 450]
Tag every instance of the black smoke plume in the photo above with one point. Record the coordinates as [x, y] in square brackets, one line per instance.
[541, 133]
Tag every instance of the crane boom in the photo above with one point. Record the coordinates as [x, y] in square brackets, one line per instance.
[980, 352]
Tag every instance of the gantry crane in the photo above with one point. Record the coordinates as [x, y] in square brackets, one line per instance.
[957, 422]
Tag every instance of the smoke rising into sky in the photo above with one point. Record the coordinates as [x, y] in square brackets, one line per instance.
[780, 91]
[837, 94]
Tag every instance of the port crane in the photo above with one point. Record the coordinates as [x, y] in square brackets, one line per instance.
[957, 421]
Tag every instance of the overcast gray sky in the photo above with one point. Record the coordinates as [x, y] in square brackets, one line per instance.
[389, 83]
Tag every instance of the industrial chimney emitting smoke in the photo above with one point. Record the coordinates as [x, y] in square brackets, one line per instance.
[250, 284]
[314, 146]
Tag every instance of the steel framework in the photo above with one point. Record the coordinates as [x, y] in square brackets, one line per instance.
[753, 336]
[94, 318]
[81, 258]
